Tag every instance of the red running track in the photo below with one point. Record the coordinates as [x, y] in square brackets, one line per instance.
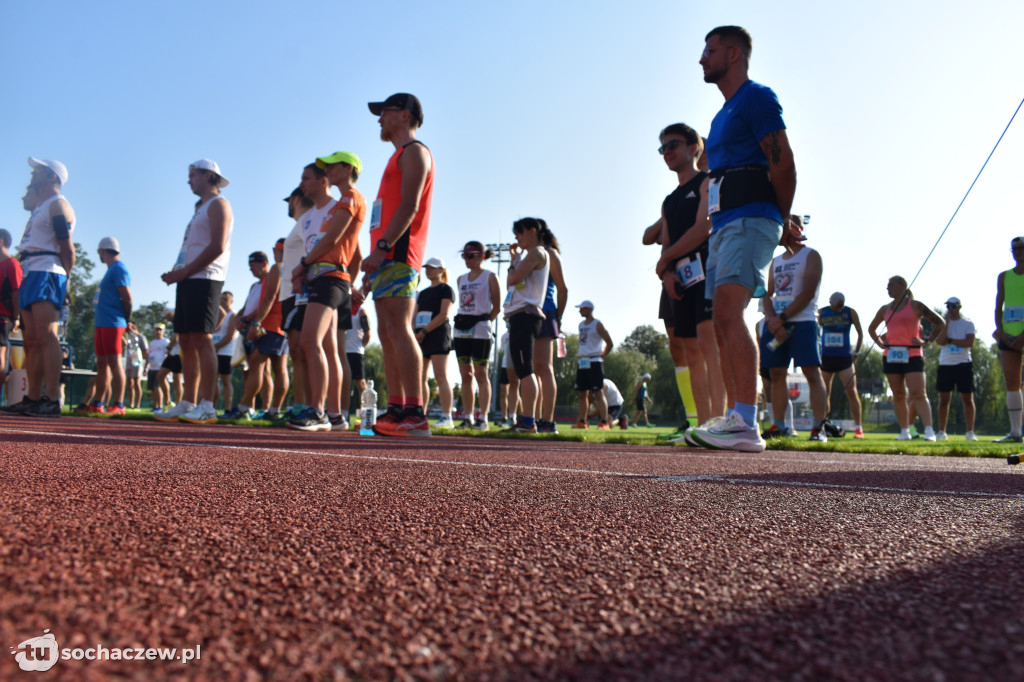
[331, 556]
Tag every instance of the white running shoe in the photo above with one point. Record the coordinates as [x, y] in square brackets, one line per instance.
[730, 434]
[444, 423]
[929, 434]
[200, 415]
[482, 426]
[904, 435]
[970, 436]
[688, 434]
[941, 435]
[172, 414]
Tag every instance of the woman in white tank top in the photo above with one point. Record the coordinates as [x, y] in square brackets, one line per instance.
[479, 295]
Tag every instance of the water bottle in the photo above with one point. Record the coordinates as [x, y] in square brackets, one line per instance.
[560, 343]
[368, 410]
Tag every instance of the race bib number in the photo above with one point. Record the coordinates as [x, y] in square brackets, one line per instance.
[463, 333]
[781, 304]
[955, 350]
[690, 271]
[301, 299]
[423, 319]
[180, 262]
[833, 340]
[584, 363]
[1013, 314]
[898, 355]
[218, 336]
[508, 296]
[714, 196]
[375, 214]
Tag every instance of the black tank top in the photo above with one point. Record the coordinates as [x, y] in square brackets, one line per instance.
[680, 209]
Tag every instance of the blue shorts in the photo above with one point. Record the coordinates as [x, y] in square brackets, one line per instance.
[741, 252]
[43, 286]
[270, 344]
[803, 347]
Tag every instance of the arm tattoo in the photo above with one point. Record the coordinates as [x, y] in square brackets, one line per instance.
[772, 149]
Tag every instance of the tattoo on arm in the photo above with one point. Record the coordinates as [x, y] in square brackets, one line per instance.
[772, 148]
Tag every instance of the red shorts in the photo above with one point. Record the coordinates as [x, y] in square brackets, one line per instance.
[107, 340]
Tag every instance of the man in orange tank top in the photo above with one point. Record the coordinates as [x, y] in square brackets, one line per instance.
[399, 222]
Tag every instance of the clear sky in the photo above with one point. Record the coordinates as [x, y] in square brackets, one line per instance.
[531, 108]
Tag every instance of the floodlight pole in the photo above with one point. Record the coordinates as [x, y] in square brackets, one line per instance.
[503, 254]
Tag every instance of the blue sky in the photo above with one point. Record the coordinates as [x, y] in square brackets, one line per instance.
[545, 109]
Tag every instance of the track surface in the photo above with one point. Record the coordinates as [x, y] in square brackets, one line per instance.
[332, 556]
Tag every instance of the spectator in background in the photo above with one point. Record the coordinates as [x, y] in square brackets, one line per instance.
[356, 340]
[434, 335]
[224, 339]
[135, 352]
[837, 355]
[956, 368]
[643, 399]
[111, 311]
[156, 354]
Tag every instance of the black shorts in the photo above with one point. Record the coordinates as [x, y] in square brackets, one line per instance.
[223, 364]
[270, 344]
[959, 376]
[172, 363]
[437, 342]
[502, 376]
[836, 363]
[355, 363]
[523, 330]
[590, 378]
[1003, 346]
[292, 315]
[151, 378]
[548, 326]
[690, 311]
[614, 411]
[914, 365]
[332, 292]
[6, 324]
[475, 351]
[197, 306]
[665, 309]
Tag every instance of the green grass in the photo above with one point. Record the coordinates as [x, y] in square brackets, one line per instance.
[875, 443]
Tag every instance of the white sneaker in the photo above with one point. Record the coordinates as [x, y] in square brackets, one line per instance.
[970, 436]
[482, 426]
[730, 434]
[941, 435]
[904, 435]
[172, 414]
[200, 415]
[929, 434]
[444, 423]
[688, 433]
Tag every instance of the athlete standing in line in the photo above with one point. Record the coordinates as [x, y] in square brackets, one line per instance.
[47, 253]
[10, 280]
[399, 223]
[479, 305]
[1009, 335]
[199, 273]
[956, 368]
[434, 334]
[837, 356]
[293, 302]
[753, 180]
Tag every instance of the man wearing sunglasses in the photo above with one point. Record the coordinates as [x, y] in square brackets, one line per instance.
[955, 367]
[751, 188]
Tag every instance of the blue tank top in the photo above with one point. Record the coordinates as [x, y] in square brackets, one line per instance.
[835, 332]
[549, 295]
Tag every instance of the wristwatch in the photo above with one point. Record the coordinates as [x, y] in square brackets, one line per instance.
[383, 245]
[782, 316]
[302, 262]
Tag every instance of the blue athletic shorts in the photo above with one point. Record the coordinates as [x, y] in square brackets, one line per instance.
[42, 286]
[803, 347]
[741, 252]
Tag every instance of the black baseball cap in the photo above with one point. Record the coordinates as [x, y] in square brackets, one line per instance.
[402, 100]
[295, 193]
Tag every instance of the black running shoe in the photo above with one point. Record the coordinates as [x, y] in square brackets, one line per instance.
[18, 408]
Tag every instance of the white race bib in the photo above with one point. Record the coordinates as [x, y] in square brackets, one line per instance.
[423, 319]
[375, 214]
[714, 196]
[898, 355]
[1013, 314]
[833, 340]
[690, 271]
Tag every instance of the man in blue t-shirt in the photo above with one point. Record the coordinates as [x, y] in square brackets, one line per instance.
[112, 310]
[751, 186]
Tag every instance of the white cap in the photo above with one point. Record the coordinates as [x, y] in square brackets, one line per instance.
[586, 304]
[435, 263]
[56, 166]
[110, 244]
[211, 165]
[647, 376]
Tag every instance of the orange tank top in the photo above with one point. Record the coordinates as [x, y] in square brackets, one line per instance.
[352, 202]
[272, 322]
[410, 246]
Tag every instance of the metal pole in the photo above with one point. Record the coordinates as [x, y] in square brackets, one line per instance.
[499, 250]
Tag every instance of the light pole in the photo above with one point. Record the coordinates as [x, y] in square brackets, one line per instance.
[502, 254]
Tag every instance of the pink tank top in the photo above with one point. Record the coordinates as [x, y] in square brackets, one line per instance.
[903, 329]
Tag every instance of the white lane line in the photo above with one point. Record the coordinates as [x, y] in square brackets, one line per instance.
[529, 467]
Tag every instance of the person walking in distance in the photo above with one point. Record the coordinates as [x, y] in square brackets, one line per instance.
[198, 274]
[399, 224]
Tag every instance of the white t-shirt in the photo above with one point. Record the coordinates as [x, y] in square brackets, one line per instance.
[39, 236]
[788, 277]
[222, 331]
[591, 343]
[157, 352]
[612, 392]
[955, 355]
[252, 301]
[475, 299]
[294, 249]
[312, 222]
[354, 336]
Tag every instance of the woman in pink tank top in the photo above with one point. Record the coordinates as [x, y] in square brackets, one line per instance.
[903, 355]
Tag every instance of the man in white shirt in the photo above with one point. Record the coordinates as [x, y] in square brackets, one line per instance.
[956, 369]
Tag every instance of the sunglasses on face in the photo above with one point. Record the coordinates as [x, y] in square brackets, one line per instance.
[669, 146]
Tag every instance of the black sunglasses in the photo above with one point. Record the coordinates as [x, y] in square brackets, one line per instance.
[669, 146]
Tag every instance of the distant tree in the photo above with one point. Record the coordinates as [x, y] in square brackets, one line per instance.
[79, 335]
[565, 371]
[647, 340]
[373, 370]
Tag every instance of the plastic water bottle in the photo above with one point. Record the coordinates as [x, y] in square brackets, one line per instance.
[368, 410]
[560, 344]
